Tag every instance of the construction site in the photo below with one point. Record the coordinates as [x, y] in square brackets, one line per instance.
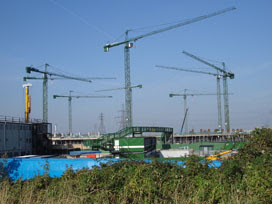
[150, 102]
[174, 103]
[37, 138]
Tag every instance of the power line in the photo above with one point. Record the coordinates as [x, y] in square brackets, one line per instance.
[83, 20]
[102, 129]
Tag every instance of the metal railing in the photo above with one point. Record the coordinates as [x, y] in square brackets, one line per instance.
[18, 119]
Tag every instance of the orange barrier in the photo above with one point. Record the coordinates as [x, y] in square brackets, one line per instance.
[93, 156]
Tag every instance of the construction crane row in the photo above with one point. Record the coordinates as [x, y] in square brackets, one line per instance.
[128, 43]
[47, 76]
[224, 75]
[186, 109]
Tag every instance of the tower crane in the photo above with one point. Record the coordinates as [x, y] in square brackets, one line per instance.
[47, 75]
[225, 85]
[128, 44]
[185, 94]
[218, 76]
[70, 105]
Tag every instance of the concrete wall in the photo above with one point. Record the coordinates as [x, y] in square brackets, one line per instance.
[174, 153]
[15, 138]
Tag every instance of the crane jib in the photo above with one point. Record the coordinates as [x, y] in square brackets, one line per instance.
[109, 45]
[225, 73]
[65, 96]
[188, 70]
[32, 69]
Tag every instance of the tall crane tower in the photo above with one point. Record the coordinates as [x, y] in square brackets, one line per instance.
[128, 44]
[27, 102]
[47, 75]
[70, 105]
[185, 95]
[218, 76]
[225, 75]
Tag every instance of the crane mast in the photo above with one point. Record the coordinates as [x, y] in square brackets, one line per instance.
[186, 114]
[128, 90]
[70, 113]
[45, 95]
[226, 100]
[219, 108]
[128, 45]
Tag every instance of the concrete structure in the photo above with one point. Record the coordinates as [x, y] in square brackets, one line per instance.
[15, 138]
[20, 138]
[175, 153]
[210, 137]
[59, 143]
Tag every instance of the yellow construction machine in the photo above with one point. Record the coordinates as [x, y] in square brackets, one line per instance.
[217, 156]
[27, 102]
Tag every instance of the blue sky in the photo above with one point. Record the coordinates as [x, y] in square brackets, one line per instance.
[70, 35]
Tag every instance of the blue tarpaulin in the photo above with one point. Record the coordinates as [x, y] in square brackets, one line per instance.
[31, 167]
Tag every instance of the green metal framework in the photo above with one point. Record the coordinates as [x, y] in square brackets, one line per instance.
[105, 142]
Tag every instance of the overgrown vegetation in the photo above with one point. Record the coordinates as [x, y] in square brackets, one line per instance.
[246, 178]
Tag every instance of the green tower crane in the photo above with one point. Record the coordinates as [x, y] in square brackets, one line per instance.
[218, 76]
[225, 75]
[70, 105]
[128, 44]
[185, 94]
